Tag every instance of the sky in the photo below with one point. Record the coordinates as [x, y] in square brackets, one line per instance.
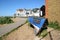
[9, 7]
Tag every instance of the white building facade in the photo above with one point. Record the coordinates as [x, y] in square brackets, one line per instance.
[26, 13]
[20, 13]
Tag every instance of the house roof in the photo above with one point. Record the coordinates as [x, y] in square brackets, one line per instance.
[19, 9]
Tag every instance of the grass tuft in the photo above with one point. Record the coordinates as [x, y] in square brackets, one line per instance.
[54, 25]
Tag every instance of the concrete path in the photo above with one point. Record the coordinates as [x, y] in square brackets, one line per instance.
[7, 28]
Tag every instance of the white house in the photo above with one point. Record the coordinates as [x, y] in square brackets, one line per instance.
[20, 13]
[36, 13]
[26, 13]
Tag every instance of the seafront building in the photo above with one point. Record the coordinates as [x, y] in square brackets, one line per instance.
[26, 13]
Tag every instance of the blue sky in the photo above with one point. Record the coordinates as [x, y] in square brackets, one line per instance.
[8, 7]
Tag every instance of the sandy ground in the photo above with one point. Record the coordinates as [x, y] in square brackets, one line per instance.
[0, 25]
[52, 35]
[26, 33]
[17, 19]
[3, 25]
[23, 33]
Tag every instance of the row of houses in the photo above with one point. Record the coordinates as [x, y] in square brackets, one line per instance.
[28, 12]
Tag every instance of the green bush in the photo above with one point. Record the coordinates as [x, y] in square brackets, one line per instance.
[43, 33]
[1, 38]
[5, 20]
[54, 25]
